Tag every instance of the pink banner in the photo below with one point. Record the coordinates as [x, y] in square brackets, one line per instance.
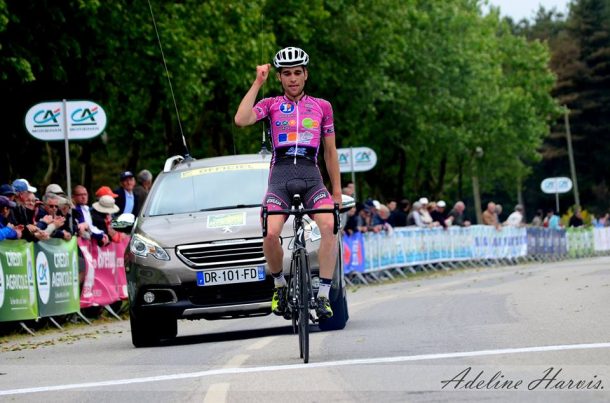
[105, 279]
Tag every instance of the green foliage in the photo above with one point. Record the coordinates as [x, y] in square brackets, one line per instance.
[423, 83]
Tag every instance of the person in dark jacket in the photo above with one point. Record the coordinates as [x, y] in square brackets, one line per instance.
[127, 201]
[7, 230]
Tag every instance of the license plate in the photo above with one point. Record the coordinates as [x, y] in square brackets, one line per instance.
[230, 276]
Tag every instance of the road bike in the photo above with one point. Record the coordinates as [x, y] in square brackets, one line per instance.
[300, 297]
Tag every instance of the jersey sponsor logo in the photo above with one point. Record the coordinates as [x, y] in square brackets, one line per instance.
[305, 137]
[282, 137]
[292, 122]
[300, 151]
[285, 123]
[292, 136]
[259, 110]
[330, 130]
[286, 107]
[320, 196]
[273, 200]
[278, 123]
[309, 123]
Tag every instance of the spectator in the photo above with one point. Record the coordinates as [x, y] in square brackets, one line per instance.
[32, 206]
[537, 220]
[576, 219]
[49, 218]
[101, 215]
[351, 224]
[456, 215]
[365, 219]
[8, 191]
[398, 216]
[515, 219]
[7, 230]
[55, 189]
[426, 218]
[490, 217]
[499, 212]
[350, 189]
[438, 214]
[145, 180]
[552, 220]
[381, 221]
[86, 229]
[70, 226]
[20, 216]
[127, 201]
[414, 217]
[105, 191]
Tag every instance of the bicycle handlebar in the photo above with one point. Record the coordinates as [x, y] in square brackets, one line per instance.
[301, 212]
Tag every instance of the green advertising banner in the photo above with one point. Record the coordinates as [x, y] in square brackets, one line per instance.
[17, 281]
[580, 242]
[57, 277]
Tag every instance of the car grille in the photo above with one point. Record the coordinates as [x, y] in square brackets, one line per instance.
[232, 293]
[242, 252]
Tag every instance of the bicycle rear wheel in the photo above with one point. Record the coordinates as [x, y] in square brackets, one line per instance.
[302, 274]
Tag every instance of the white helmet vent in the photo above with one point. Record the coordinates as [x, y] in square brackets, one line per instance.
[290, 57]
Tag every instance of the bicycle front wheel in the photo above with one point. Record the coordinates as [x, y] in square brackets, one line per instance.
[302, 273]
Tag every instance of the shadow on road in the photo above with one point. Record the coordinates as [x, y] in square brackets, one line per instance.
[232, 335]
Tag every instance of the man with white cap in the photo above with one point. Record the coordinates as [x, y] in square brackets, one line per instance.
[19, 214]
[426, 218]
[439, 215]
[55, 189]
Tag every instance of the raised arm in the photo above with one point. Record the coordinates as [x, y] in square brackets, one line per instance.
[245, 116]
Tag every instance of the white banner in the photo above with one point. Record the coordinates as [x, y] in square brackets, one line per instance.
[85, 120]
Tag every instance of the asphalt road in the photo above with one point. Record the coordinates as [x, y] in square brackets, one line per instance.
[520, 333]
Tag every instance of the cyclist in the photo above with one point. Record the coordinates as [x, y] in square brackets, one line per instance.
[299, 125]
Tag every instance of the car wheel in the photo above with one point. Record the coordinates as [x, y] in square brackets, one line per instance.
[340, 312]
[338, 299]
[148, 332]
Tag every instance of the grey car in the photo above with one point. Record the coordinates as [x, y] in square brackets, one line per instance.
[196, 250]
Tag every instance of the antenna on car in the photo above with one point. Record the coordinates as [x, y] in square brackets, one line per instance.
[187, 155]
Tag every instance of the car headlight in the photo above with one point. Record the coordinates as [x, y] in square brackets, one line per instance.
[142, 246]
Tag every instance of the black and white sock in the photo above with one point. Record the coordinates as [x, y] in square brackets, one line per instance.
[278, 279]
[324, 289]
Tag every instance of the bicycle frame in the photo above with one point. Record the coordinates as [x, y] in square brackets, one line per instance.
[300, 291]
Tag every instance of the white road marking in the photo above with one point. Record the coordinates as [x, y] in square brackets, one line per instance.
[236, 361]
[262, 343]
[217, 393]
[361, 361]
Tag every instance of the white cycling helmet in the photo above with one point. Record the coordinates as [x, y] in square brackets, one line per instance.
[290, 57]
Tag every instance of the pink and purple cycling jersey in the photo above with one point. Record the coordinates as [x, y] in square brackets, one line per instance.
[297, 128]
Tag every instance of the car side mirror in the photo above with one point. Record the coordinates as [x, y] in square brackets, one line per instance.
[124, 222]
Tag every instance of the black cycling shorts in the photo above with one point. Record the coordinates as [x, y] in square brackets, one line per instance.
[287, 179]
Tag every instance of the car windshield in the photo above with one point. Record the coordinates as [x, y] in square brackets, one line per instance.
[210, 188]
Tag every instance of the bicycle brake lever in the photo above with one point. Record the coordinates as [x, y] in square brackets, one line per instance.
[336, 219]
[265, 215]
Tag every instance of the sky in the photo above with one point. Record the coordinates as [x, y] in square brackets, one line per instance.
[519, 9]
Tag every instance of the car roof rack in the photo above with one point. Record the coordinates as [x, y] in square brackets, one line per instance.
[171, 162]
